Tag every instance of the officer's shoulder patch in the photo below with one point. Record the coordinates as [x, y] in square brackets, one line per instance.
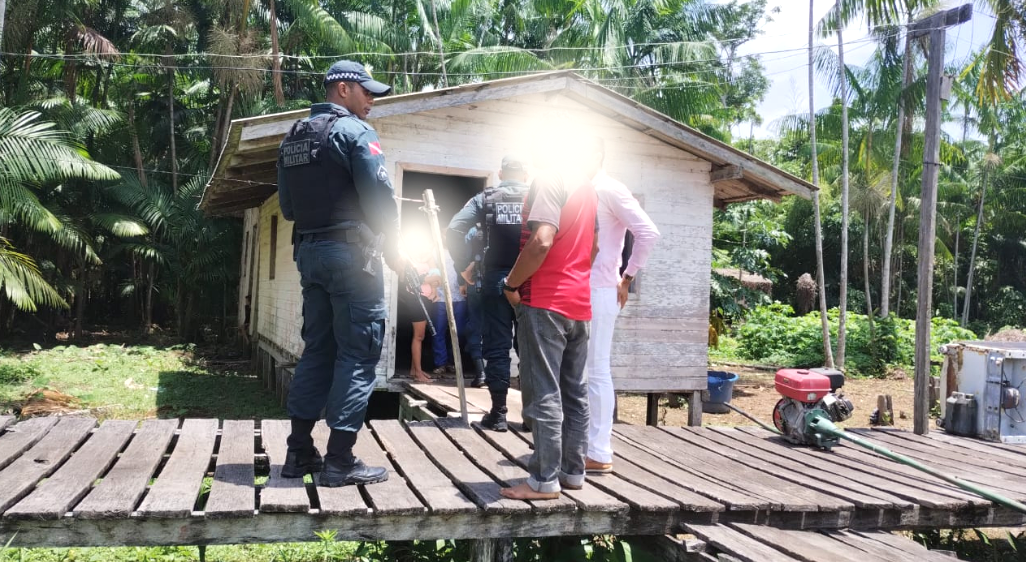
[295, 153]
[382, 174]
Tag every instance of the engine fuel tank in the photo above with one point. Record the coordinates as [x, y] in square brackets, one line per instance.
[802, 385]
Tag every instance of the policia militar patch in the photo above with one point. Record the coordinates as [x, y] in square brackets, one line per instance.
[295, 153]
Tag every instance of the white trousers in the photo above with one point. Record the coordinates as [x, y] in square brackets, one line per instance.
[601, 397]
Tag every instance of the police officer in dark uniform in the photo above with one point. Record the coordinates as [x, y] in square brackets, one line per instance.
[486, 232]
[333, 183]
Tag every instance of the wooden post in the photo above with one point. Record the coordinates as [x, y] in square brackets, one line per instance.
[695, 408]
[652, 413]
[934, 26]
[432, 212]
[491, 550]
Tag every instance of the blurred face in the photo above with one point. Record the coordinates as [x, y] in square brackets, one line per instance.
[354, 97]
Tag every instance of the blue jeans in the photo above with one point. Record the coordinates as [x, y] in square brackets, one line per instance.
[343, 328]
[498, 320]
[553, 353]
[440, 319]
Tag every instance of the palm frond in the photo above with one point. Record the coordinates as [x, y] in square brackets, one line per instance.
[22, 282]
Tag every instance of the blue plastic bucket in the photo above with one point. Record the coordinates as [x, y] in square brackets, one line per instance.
[720, 385]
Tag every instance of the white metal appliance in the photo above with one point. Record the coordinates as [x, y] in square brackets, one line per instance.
[995, 373]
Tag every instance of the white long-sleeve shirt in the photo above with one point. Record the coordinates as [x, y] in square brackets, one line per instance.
[618, 212]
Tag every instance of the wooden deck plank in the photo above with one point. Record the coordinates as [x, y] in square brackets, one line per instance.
[735, 499]
[739, 545]
[342, 500]
[808, 546]
[56, 496]
[896, 543]
[877, 544]
[588, 498]
[436, 394]
[640, 478]
[232, 493]
[495, 464]
[842, 482]
[965, 467]
[394, 495]
[1010, 461]
[639, 497]
[5, 421]
[869, 475]
[42, 459]
[19, 437]
[177, 487]
[280, 494]
[118, 493]
[792, 497]
[477, 485]
[911, 476]
[950, 452]
[480, 399]
[988, 447]
[435, 488]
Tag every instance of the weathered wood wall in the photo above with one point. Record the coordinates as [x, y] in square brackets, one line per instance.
[661, 336]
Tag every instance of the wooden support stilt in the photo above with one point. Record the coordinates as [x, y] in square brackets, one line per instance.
[652, 415]
[695, 408]
[491, 550]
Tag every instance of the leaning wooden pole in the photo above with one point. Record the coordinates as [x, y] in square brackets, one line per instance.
[432, 212]
[934, 26]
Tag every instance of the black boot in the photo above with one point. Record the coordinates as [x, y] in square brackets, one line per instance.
[302, 457]
[495, 420]
[479, 378]
[341, 468]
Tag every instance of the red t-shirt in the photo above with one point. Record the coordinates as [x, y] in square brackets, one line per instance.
[563, 282]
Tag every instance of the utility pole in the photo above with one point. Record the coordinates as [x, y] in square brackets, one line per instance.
[935, 27]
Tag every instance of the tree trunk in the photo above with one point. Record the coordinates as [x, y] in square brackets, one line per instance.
[148, 314]
[841, 323]
[279, 93]
[865, 276]
[171, 118]
[885, 277]
[828, 356]
[70, 69]
[3, 10]
[972, 253]
[136, 151]
[80, 300]
[954, 281]
[901, 263]
[441, 45]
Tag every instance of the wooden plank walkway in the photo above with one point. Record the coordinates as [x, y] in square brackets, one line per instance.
[66, 482]
[760, 543]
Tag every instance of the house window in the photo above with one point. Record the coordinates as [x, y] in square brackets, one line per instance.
[274, 244]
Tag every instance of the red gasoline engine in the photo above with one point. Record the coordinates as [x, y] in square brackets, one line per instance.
[807, 394]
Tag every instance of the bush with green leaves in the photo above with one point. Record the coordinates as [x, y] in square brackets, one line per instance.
[773, 335]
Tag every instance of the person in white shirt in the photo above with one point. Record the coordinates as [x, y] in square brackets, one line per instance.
[618, 212]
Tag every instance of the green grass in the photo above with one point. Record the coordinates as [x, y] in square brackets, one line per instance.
[135, 382]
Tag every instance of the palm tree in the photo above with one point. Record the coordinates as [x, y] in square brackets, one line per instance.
[1000, 63]
[35, 153]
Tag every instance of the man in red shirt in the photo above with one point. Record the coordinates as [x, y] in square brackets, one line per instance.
[550, 287]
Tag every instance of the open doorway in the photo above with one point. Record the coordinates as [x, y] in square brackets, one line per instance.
[452, 188]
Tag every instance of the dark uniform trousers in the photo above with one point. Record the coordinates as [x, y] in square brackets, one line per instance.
[343, 329]
[498, 321]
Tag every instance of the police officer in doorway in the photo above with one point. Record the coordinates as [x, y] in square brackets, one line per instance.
[333, 183]
[492, 220]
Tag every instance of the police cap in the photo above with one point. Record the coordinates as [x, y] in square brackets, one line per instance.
[350, 71]
[514, 162]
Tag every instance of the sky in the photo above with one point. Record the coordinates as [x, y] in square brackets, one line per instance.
[785, 39]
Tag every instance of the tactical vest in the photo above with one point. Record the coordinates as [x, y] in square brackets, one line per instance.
[502, 224]
[322, 191]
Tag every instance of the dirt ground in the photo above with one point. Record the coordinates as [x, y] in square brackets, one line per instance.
[755, 394]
